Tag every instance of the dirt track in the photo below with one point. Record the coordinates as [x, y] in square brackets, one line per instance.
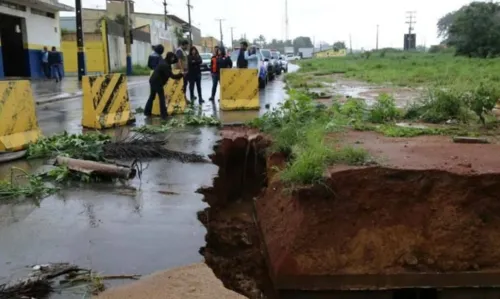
[190, 282]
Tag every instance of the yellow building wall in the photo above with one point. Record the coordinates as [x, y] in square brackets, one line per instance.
[95, 53]
[331, 53]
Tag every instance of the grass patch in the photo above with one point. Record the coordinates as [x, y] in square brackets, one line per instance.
[137, 70]
[181, 122]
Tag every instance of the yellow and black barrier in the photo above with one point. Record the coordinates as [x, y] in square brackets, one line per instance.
[18, 123]
[239, 89]
[106, 103]
[174, 96]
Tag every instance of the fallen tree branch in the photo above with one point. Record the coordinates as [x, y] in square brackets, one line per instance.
[97, 168]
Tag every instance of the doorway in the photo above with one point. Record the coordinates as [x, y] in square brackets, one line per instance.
[14, 57]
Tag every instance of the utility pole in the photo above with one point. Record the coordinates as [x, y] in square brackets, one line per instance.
[377, 38]
[189, 20]
[350, 43]
[79, 41]
[221, 36]
[232, 39]
[128, 48]
[410, 21]
[286, 21]
[165, 13]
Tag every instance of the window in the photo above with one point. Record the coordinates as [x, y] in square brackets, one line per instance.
[43, 13]
[12, 5]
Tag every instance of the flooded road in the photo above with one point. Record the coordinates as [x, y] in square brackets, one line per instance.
[109, 228]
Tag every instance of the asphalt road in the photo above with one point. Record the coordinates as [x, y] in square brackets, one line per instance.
[107, 228]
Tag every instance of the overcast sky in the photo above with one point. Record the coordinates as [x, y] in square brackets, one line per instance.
[323, 20]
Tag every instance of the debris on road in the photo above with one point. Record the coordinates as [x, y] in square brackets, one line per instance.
[45, 279]
[188, 120]
[24, 185]
[97, 168]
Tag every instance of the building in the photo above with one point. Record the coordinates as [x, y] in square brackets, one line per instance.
[208, 43]
[26, 26]
[156, 22]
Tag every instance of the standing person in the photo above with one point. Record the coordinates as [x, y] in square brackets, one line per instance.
[219, 61]
[251, 58]
[45, 62]
[155, 57]
[55, 63]
[242, 63]
[182, 64]
[194, 74]
[157, 81]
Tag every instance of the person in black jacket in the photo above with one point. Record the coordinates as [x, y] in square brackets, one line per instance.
[155, 57]
[159, 78]
[242, 63]
[55, 64]
[219, 61]
[194, 74]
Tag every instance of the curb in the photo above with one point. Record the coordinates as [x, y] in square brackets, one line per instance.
[43, 101]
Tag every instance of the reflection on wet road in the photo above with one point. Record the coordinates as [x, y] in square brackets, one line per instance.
[111, 229]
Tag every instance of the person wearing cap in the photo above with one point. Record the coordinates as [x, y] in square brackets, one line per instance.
[155, 56]
[157, 81]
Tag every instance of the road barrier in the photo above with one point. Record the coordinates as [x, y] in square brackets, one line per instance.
[239, 89]
[18, 123]
[105, 101]
[174, 95]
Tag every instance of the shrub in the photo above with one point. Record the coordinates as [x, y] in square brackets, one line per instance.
[384, 110]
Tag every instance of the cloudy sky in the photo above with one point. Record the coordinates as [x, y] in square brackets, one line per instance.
[323, 20]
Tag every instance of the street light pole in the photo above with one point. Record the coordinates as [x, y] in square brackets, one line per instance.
[189, 20]
[79, 41]
[221, 36]
[232, 39]
[128, 47]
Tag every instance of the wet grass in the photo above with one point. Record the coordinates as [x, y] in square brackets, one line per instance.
[303, 131]
[409, 69]
[137, 70]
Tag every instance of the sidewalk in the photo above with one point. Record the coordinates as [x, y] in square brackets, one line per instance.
[48, 91]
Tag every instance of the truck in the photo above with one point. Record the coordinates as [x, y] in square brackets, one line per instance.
[288, 50]
[306, 52]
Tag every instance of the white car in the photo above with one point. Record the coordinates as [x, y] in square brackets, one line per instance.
[205, 65]
[291, 57]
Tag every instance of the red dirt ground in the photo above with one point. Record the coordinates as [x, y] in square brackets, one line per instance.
[233, 249]
[429, 206]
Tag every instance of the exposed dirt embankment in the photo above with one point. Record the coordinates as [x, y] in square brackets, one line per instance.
[233, 249]
[430, 206]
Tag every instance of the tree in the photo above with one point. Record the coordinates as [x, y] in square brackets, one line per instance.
[475, 30]
[302, 42]
[339, 45]
[262, 40]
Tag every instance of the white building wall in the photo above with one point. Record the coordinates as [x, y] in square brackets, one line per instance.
[118, 55]
[39, 31]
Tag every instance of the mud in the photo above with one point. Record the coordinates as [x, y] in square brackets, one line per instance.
[233, 248]
[430, 206]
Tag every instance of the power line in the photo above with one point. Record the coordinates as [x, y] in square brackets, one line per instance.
[411, 16]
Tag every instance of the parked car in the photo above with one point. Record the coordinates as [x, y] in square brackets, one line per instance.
[271, 67]
[284, 63]
[263, 65]
[292, 57]
[275, 55]
[206, 58]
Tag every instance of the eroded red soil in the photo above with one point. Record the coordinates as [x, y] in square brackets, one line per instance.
[431, 206]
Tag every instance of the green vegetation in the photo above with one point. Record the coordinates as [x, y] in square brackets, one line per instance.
[299, 130]
[137, 70]
[188, 120]
[22, 184]
[81, 146]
